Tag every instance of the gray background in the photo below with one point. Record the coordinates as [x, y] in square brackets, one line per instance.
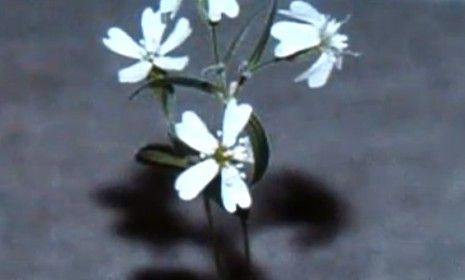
[366, 180]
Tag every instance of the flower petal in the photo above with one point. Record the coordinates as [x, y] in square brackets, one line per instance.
[217, 7]
[294, 37]
[170, 6]
[121, 43]
[171, 63]
[135, 73]
[303, 11]
[235, 119]
[332, 27]
[244, 151]
[180, 33]
[152, 28]
[319, 73]
[194, 180]
[193, 131]
[339, 42]
[234, 191]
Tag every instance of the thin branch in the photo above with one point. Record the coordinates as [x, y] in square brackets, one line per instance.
[245, 234]
[213, 238]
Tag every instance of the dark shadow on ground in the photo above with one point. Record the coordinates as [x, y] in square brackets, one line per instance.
[159, 274]
[293, 198]
[147, 205]
[146, 202]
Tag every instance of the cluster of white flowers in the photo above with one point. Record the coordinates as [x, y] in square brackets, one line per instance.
[312, 32]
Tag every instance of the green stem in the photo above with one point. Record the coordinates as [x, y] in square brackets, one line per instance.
[216, 55]
[214, 36]
[245, 233]
[168, 102]
[247, 74]
[265, 64]
[213, 238]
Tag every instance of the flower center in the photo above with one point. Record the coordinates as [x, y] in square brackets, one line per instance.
[222, 155]
[149, 56]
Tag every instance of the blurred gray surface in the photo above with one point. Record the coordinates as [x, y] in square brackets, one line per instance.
[384, 142]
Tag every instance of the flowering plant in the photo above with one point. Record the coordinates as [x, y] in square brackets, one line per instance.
[238, 155]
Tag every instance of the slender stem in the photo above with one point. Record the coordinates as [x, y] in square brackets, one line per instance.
[240, 84]
[216, 51]
[245, 233]
[167, 103]
[216, 55]
[265, 64]
[213, 238]
[247, 74]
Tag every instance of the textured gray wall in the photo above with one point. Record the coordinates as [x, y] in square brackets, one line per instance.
[367, 179]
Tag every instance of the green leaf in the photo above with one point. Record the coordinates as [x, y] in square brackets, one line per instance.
[240, 37]
[169, 82]
[202, 85]
[260, 146]
[147, 85]
[256, 56]
[161, 155]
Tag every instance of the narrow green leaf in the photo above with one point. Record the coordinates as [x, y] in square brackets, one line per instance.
[260, 146]
[161, 155]
[256, 56]
[237, 40]
[169, 82]
[202, 85]
[140, 89]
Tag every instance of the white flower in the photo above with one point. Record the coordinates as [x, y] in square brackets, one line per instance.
[170, 7]
[226, 156]
[150, 51]
[317, 31]
[218, 7]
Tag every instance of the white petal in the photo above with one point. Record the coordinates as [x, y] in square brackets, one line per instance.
[193, 131]
[234, 191]
[152, 28]
[294, 37]
[135, 73]
[339, 42]
[230, 8]
[121, 43]
[332, 27]
[194, 180]
[217, 7]
[171, 63]
[319, 73]
[303, 11]
[235, 119]
[180, 33]
[170, 6]
[243, 153]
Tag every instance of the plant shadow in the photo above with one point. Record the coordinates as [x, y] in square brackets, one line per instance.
[146, 204]
[293, 198]
[155, 274]
[149, 212]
